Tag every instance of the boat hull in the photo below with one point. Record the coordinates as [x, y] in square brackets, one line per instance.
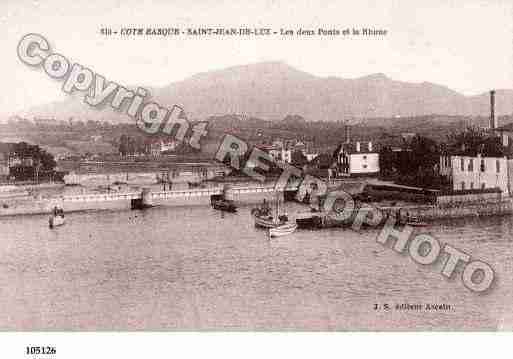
[282, 230]
[224, 207]
[55, 221]
[265, 222]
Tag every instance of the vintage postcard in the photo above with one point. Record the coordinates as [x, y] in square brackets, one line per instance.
[259, 166]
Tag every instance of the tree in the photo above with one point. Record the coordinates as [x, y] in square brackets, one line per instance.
[39, 161]
[474, 140]
[425, 153]
[416, 163]
[123, 145]
[387, 161]
[323, 161]
[140, 145]
[131, 146]
[298, 159]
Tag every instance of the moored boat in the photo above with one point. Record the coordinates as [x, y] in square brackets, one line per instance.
[55, 221]
[56, 218]
[265, 221]
[282, 230]
[310, 222]
[265, 218]
[222, 204]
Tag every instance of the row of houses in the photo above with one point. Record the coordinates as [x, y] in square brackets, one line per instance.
[352, 158]
[282, 150]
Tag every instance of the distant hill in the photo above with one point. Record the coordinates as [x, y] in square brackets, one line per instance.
[273, 90]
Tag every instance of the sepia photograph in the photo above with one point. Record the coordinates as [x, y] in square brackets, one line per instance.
[268, 166]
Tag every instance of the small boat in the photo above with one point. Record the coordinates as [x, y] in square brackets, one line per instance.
[309, 222]
[264, 218]
[222, 204]
[56, 220]
[277, 223]
[282, 230]
[265, 222]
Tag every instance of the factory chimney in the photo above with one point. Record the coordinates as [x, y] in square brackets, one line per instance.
[348, 134]
[493, 120]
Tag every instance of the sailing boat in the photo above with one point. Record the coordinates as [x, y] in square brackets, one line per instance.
[281, 225]
[263, 216]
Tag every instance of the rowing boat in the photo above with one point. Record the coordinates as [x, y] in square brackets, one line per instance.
[282, 230]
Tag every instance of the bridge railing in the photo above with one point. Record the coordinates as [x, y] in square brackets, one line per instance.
[101, 197]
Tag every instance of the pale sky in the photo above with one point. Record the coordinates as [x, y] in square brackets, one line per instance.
[466, 45]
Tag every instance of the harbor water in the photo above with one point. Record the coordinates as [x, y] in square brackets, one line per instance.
[194, 268]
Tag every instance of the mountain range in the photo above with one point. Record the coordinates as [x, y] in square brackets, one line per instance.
[273, 90]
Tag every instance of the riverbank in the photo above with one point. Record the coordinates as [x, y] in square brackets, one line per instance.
[127, 197]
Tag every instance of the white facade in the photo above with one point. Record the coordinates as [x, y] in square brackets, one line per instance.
[168, 146]
[467, 172]
[358, 160]
[280, 154]
[363, 163]
[286, 155]
[311, 156]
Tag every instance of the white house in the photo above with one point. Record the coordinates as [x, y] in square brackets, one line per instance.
[476, 172]
[357, 160]
[168, 146]
[311, 156]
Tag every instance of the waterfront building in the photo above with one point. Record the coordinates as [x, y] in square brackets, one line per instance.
[353, 159]
[477, 172]
[281, 151]
[278, 152]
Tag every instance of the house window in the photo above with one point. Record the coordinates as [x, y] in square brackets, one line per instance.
[364, 157]
[471, 185]
[463, 185]
[498, 166]
[462, 165]
[482, 165]
[471, 165]
[483, 185]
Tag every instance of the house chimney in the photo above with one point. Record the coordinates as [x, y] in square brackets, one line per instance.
[493, 120]
[357, 146]
[348, 134]
[370, 146]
